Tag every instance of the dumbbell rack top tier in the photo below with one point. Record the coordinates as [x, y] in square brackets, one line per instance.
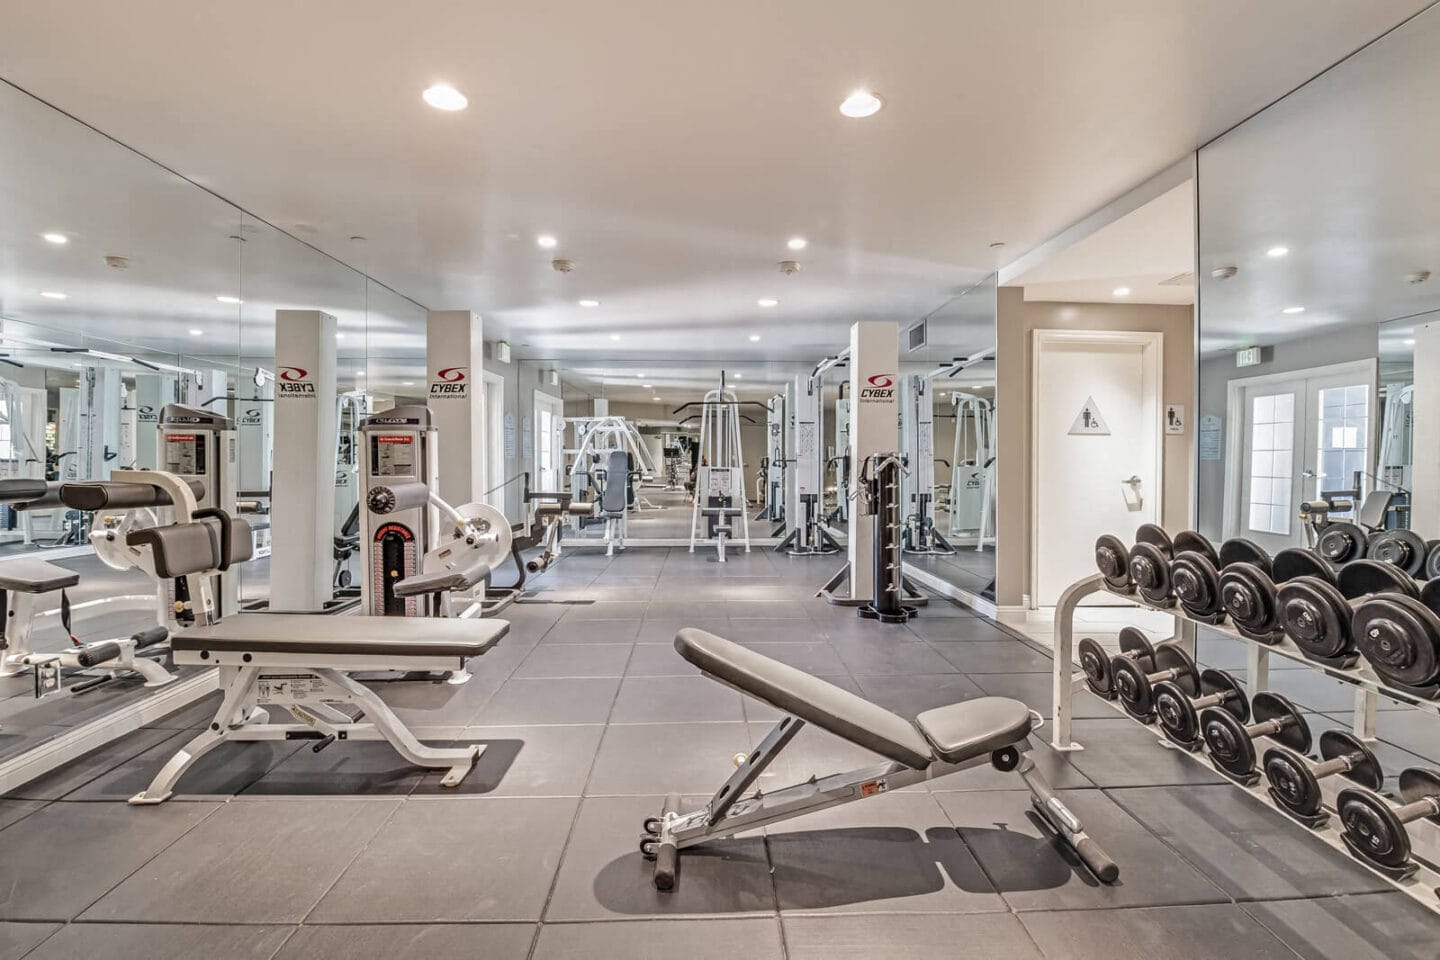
[1425, 836]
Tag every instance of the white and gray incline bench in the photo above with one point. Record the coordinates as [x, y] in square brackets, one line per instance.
[938, 742]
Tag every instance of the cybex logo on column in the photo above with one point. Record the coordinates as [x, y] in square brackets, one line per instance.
[147, 414]
[251, 418]
[294, 382]
[449, 382]
[878, 388]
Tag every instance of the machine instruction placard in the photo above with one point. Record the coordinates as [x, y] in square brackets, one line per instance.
[1210, 433]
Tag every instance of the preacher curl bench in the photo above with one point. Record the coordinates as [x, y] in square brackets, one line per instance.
[937, 743]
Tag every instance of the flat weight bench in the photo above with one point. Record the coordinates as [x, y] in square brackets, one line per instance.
[299, 663]
[937, 743]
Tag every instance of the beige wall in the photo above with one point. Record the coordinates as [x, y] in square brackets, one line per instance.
[1015, 322]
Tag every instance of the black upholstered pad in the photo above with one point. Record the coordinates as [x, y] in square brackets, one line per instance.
[117, 495]
[443, 581]
[809, 698]
[20, 489]
[972, 728]
[29, 575]
[304, 633]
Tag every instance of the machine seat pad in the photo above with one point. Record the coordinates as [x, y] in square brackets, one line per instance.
[443, 581]
[30, 575]
[972, 728]
[308, 633]
[808, 697]
[184, 548]
[118, 495]
[21, 490]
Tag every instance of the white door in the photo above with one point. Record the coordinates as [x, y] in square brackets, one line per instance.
[1301, 436]
[549, 443]
[1095, 449]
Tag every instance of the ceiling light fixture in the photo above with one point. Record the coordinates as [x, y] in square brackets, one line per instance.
[1121, 291]
[228, 299]
[1409, 343]
[547, 241]
[407, 383]
[655, 399]
[640, 375]
[860, 104]
[589, 303]
[648, 386]
[767, 302]
[59, 239]
[1277, 251]
[614, 336]
[1293, 310]
[739, 376]
[197, 333]
[52, 295]
[359, 373]
[797, 243]
[339, 335]
[754, 338]
[442, 96]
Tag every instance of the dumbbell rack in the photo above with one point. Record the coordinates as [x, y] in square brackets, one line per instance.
[1424, 885]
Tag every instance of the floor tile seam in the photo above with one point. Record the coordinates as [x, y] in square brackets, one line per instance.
[989, 878]
[507, 678]
[360, 851]
[1179, 855]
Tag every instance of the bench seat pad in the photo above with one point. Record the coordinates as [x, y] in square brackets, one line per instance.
[305, 633]
[971, 728]
[32, 575]
[454, 580]
[807, 697]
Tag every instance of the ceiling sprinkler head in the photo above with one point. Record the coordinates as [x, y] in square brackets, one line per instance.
[562, 265]
[1224, 273]
[117, 263]
[1419, 276]
[788, 267]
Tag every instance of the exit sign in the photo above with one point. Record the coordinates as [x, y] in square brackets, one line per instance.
[1248, 357]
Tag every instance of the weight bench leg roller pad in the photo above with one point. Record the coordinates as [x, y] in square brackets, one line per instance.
[939, 742]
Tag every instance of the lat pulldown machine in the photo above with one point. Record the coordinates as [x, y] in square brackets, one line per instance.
[805, 508]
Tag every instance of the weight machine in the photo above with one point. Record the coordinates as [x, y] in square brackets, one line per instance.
[917, 481]
[720, 473]
[595, 439]
[772, 467]
[972, 472]
[805, 504]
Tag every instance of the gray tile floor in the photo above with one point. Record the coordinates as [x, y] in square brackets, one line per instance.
[589, 716]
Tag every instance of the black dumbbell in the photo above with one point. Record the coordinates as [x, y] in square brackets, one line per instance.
[1374, 831]
[1113, 562]
[1341, 542]
[1316, 612]
[1399, 548]
[1178, 711]
[1295, 779]
[1135, 674]
[1399, 635]
[1247, 590]
[1231, 742]
[1096, 663]
[1432, 560]
[1195, 575]
[1149, 562]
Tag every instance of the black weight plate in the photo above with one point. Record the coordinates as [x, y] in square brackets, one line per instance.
[1095, 663]
[1240, 550]
[1400, 548]
[1195, 581]
[1169, 656]
[1432, 560]
[1372, 829]
[1364, 577]
[1154, 534]
[1430, 595]
[1292, 782]
[1365, 769]
[1215, 682]
[1400, 637]
[1340, 542]
[1316, 615]
[1420, 783]
[1227, 741]
[1150, 571]
[1295, 562]
[1113, 562]
[1248, 596]
[1134, 643]
[1132, 688]
[1188, 541]
[1176, 714]
[1267, 706]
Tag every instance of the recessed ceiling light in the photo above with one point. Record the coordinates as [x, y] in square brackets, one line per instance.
[359, 373]
[339, 335]
[589, 303]
[442, 96]
[1409, 343]
[754, 338]
[648, 386]
[1277, 251]
[614, 336]
[197, 333]
[739, 376]
[547, 241]
[1121, 291]
[1293, 310]
[655, 399]
[861, 103]
[407, 383]
[228, 299]
[640, 375]
[767, 302]
[56, 238]
[52, 294]
[797, 243]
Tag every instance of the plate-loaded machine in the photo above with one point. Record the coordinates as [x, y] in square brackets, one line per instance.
[720, 475]
[935, 743]
[417, 551]
[917, 449]
[805, 500]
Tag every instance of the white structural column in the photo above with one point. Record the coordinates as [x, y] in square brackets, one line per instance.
[302, 500]
[152, 392]
[874, 428]
[454, 359]
[1425, 442]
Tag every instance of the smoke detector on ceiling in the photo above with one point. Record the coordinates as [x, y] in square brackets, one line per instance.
[1179, 280]
[1419, 276]
[1224, 273]
[117, 263]
[788, 267]
[562, 265]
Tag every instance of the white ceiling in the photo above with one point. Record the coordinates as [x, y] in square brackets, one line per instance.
[673, 147]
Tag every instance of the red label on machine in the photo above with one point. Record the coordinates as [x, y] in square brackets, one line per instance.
[400, 439]
[179, 438]
[399, 529]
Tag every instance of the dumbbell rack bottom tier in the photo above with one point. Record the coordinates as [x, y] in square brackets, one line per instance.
[1424, 885]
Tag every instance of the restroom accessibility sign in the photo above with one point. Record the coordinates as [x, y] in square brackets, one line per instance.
[1089, 422]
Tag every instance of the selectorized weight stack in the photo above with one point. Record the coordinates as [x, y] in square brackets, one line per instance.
[199, 445]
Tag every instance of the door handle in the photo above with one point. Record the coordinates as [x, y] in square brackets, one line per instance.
[1134, 480]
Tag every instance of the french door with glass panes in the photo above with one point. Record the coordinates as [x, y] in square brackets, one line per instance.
[1301, 437]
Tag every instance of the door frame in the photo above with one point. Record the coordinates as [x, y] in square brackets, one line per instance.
[493, 388]
[1368, 369]
[1152, 344]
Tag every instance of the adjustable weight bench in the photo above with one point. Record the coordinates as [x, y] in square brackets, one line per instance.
[938, 742]
[299, 663]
